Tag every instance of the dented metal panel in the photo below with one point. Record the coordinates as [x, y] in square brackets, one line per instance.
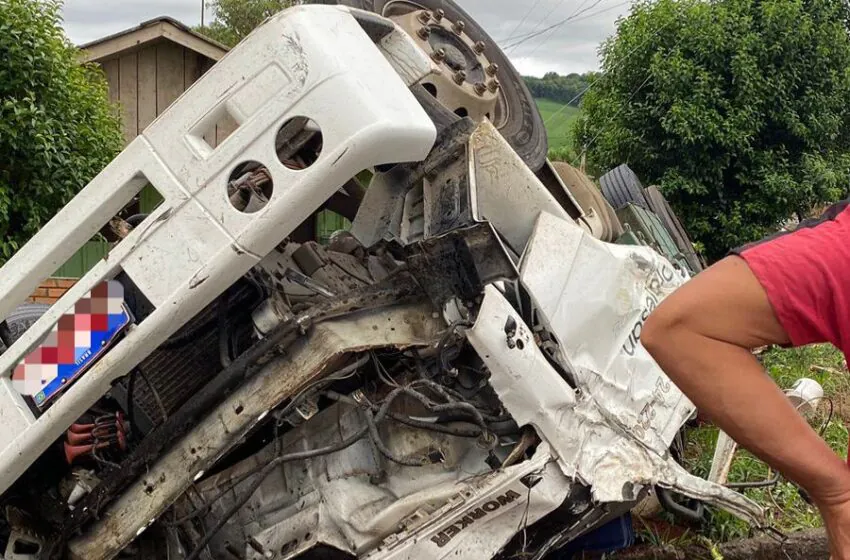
[614, 432]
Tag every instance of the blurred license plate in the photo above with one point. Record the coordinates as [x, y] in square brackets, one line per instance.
[74, 344]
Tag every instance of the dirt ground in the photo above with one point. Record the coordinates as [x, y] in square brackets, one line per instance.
[805, 545]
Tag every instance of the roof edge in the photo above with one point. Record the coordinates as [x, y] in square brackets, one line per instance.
[211, 48]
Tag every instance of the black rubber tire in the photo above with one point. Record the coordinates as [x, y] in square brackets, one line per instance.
[659, 205]
[622, 186]
[524, 129]
[22, 319]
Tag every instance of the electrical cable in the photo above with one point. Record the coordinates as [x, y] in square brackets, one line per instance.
[573, 18]
[263, 473]
[578, 11]
[602, 77]
[343, 373]
[523, 20]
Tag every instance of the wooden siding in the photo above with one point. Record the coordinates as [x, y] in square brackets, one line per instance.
[145, 82]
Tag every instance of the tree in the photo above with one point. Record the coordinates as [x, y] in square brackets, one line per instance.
[57, 127]
[566, 89]
[736, 108]
[234, 19]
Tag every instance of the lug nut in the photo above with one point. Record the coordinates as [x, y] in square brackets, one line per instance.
[480, 46]
[424, 17]
[480, 88]
[439, 14]
[424, 33]
[459, 26]
[439, 55]
[493, 69]
[460, 77]
[494, 85]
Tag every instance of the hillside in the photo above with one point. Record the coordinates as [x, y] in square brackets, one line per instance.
[559, 123]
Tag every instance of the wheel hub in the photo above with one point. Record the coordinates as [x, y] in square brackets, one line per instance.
[466, 82]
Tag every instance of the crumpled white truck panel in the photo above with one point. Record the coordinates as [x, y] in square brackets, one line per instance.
[613, 429]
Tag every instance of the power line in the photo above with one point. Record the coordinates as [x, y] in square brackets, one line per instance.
[614, 67]
[545, 18]
[531, 36]
[613, 118]
[578, 11]
[524, 18]
[633, 94]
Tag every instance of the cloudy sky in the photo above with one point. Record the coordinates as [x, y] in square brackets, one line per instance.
[570, 47]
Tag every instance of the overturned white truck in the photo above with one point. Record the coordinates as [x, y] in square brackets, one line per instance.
[459, 375]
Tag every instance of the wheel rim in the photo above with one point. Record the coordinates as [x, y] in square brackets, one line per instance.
[477, 92]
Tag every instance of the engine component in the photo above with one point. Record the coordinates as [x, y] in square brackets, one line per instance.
[107, 433]
[278, 379]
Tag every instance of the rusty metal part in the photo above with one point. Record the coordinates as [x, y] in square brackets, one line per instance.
[462, 62]
[528, 438]
[398, 289]
[460, 263]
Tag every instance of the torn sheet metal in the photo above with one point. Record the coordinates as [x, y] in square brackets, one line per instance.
[400, 326]
[614, 430]
[483, 514]
[595, 298]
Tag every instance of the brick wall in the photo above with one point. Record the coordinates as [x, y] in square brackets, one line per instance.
[51, 290]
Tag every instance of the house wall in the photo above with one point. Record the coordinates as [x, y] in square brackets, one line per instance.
[145, 82]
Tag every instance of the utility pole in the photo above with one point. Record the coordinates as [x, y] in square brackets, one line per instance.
[203, 7]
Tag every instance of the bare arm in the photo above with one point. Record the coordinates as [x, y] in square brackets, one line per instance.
[701, 336]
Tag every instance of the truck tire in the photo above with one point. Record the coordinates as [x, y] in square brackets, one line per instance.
[621, 186]
[659, 205]
[517, 116]
[588, 196]
[22, 319]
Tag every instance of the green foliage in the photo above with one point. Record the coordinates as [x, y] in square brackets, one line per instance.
[737, 108]
[234, 19]
[786, 509]
[57, 128]
[565, 89]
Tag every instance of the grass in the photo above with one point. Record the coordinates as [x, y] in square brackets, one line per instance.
[559, 123]
[787, 510]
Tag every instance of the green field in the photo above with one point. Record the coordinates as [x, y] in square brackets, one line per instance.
[560, 126]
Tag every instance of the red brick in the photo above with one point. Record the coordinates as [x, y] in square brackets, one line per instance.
[40, 292]
[49, 283]
[56, 293]
[65, 282]
[48, 300]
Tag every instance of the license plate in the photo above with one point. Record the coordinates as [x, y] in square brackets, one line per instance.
[74, 344]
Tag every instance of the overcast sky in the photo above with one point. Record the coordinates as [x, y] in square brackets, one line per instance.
[569, 48]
